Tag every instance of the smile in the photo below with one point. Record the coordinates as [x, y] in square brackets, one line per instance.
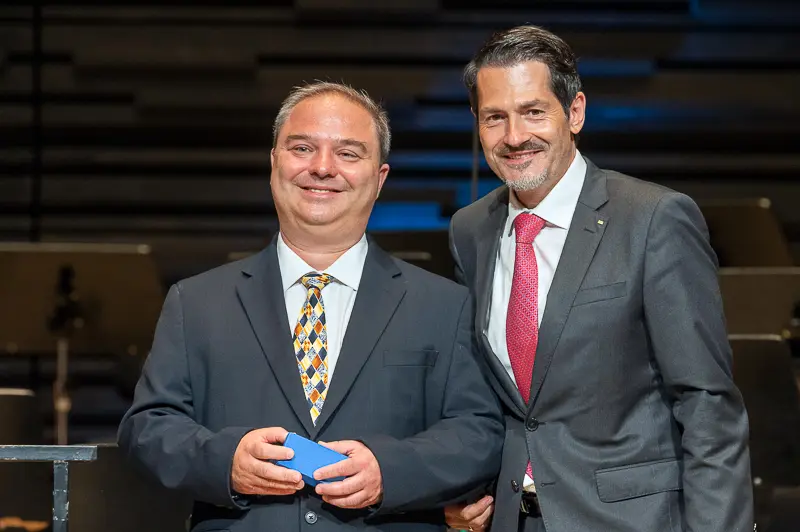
[320, 191]
[521, 156]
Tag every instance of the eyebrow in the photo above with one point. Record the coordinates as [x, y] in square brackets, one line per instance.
[343, 142]
[524, 105]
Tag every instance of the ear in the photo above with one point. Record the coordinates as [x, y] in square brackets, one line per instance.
[272, 158]
[577, 113]
[383, 173]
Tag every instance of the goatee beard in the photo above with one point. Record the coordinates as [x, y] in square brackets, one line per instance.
[526, 183]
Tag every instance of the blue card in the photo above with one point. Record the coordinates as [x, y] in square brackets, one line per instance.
[308, 457]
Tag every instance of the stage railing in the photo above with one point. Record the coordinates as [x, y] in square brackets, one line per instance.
[61, 456]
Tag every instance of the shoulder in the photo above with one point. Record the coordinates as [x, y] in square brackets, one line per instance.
[644, 198]
[469, 218]
[216, 281]
[430, 286]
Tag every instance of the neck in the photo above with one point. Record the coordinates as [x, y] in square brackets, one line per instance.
[531, 198]
[319, 253]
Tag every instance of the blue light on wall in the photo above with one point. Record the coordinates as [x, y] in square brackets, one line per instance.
[421, 216]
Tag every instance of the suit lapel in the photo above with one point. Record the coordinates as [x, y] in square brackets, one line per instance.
[488, 241]
[261, 294]
[584, 235]
[379, 294]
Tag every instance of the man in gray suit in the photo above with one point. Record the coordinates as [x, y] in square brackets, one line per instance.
[598, 308]
[324, 335]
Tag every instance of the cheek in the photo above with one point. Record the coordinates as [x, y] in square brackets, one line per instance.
[359, 180]
[491, 140]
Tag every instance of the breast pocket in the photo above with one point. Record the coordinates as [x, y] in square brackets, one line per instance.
[399, 393]
[600, 293]
[413, 358]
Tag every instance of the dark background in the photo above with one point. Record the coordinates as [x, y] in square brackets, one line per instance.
[150, 123]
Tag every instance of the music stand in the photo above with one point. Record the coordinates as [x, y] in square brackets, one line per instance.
[759, 300]
[87, 299]
[746, 233]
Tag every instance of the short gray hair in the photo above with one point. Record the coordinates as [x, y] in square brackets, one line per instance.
[359, 97]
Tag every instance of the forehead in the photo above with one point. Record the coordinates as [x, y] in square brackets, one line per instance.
[499, 86]
[330, 116]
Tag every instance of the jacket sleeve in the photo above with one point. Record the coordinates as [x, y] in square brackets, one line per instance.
[686, 325]
[159, 431]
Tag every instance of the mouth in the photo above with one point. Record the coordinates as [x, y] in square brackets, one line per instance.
[320, 191]
[520, 157]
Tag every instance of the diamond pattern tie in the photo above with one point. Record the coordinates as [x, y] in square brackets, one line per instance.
[522, 322]
[310, 342]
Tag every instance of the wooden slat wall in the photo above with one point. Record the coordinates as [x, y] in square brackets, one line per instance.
[156, 120]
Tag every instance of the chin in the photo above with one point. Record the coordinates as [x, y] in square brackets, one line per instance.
[319, 220]
[531, 181]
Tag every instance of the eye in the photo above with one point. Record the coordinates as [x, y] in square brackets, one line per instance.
[534, 112]
[350, 156]
[301, 149]
[493, 118]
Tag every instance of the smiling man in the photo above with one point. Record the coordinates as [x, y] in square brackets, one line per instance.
[599, 313]
[325, 335]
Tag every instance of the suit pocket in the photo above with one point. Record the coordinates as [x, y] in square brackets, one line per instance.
[627, 482]
[422, 357]
[600, 293]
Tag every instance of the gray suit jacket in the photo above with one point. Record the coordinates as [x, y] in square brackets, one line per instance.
[634, 423]
[407, 384]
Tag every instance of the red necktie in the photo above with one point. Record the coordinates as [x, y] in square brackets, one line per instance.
[522, 322]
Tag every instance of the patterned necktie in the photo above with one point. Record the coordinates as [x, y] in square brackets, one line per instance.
[311, 343]
[522, 322]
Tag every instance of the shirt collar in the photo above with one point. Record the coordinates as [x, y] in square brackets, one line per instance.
[346, 270]
[559, 205]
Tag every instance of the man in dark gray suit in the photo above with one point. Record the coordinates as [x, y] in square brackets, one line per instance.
[325, 335]
[599, 311]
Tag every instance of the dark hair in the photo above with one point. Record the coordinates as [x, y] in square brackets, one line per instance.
[522, 44]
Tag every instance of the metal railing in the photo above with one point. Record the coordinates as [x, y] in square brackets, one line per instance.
[61, 456]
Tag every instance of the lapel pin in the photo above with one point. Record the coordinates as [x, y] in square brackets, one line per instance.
[600, 222]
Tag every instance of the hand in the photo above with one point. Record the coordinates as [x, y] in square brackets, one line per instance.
[473, 516]
[363, 485]
[252, 474]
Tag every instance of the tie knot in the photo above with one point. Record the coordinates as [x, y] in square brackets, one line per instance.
[526, 226]
[316, 280]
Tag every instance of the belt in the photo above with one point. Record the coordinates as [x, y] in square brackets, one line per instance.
[529, 504]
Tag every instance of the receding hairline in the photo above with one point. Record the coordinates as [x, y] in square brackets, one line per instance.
[376, 114]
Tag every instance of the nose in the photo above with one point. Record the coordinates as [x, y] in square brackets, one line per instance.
[516, 132]
[322, 164]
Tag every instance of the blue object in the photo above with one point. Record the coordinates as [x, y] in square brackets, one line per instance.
[308, 457]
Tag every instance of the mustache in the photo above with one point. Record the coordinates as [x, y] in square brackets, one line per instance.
[528, 145]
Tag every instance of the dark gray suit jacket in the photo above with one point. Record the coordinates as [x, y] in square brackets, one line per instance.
[407, 384]
[634, 423]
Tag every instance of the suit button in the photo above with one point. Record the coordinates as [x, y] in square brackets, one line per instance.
[515, 486]
[311, 518]
[532, 424]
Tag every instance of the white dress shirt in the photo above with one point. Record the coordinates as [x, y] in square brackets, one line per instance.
[338, 296]
[556, 209]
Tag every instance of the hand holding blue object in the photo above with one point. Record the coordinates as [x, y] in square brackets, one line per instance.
[308, 457]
